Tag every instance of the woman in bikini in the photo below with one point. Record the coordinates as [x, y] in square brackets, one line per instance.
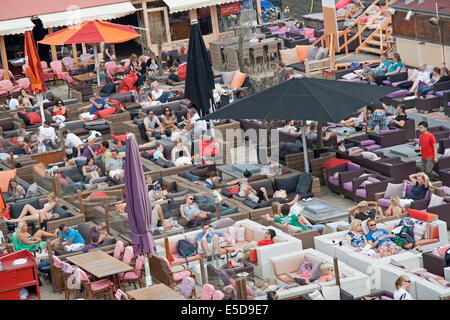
[30, 213]
[190, 209]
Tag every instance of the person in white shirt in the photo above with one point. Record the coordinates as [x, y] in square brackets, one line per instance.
[73, 143]
[13, 103]
[402, 285]
[47, 137]
[421, 76]
[193, 122]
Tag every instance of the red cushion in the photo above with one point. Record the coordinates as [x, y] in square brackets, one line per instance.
[209, 148]
[128, 83]
[422, 215]
[105, 112]
[333, 162]
[34, 117]
[14, 141]
[117, 103]
[98, 195]
[182, 72]
[121, 137]
[233, 190]
[342, 3]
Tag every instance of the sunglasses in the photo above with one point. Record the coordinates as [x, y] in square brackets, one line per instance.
[191, 198]
[372, 225]
[408, 281]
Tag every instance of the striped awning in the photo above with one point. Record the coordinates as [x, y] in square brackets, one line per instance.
[15, 26]
[184, 5]
[77, 16]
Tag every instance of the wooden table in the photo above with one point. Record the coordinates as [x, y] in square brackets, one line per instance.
[99, 263]
[86, 77]
[155, 292]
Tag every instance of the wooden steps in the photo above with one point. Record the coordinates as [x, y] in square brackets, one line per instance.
[369, 50]
[381, 39]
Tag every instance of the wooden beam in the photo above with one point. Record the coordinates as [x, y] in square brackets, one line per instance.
[166, 20]
[146, 24]
[259, 11]
[193, 14]
[214, 20]
[4, 58]
[75, 53]
[53, 48]
[83, 48]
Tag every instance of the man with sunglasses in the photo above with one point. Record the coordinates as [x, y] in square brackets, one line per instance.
[208, 240]
[365, 210]
[376, 237]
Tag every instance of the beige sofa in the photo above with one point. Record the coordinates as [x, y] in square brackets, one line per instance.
[352, 280]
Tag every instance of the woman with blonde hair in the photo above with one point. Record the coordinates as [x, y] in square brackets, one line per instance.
[395, 209]
[275, 210]
[421, 185]
[27, 241]
[402, 285]
[356, 236]
[30, 213]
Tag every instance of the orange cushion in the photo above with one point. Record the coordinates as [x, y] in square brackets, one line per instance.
[106, 112]
[238, 80]
[5, 176]
[253, 257]
[434, 232]
[34, 117]
[422, 215]
[98, 195]
[302, 52]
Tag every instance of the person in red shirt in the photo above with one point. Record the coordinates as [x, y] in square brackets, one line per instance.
[245, 250]
[428, 146]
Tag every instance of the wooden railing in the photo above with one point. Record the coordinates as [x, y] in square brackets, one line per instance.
[361, 27]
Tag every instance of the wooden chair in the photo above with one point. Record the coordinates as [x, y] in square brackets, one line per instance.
[134, 276]
[95, 287]
[162, 271]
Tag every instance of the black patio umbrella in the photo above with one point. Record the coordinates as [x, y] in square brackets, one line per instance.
[199, 74]
[304, 99]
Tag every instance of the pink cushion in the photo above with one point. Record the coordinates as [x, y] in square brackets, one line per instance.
[367, 142]
[387, 131]
[361, 192]
[178, 276]
[100, 285]
[348, 186]
[398, 94]
[309, 32]
[333, 180]
[372, 179]
[353, 166]
[186, 287]
[386, 82]
[207, 292]
[384, 202]
[218, 295]
[373, 147]
[132, 275]
[446, 190]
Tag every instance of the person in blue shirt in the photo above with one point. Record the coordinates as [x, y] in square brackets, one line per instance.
[394, 68]
[378, 71]
[209, 241]
[376, 237]
[98, 104]
[70, 239]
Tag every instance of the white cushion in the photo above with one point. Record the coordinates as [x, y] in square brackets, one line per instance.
[331, 293]
[419, 230]
[370, 156]
[228, 76]
[316, 295]
[289, 56]
[237, 233]
[435, 201]
[395, 190]
[350, 76]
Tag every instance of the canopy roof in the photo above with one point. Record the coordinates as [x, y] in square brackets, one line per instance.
[304, 99]
[15, 26]
[184, 5]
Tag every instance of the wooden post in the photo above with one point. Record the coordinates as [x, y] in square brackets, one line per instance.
[259, 11]
[166, 21]
[202, 271]
[218, 211]
[214, 20]
[241, 288]
[53, 48]
[193, 14]
[83, 48]
[336, 271]
[4, 58]
[146, 24]
[80, 199]
[13, 162]
[105, 206]
[56, 187]
[75, 53]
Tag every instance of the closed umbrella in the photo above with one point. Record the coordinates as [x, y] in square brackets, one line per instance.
[199, 75]
[92, 32]
[34, 71]
[304, 99]
[138, 203]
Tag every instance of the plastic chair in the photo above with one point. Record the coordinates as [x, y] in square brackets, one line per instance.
[96, 287]
[207, 292]
[118, 249]
[47, 75]
[57, 66]
[133, 276]
[6, 86]
[67, 271]
[11, 76]
[85, 57]
[24, 83]
[67, 62]
[187, 287]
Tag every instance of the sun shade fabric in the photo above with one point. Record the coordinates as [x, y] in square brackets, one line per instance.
[34, 71]
[184, 5]
[73, 17]
[15, 26]
[91, 32]
[5, 176]
[304, 99]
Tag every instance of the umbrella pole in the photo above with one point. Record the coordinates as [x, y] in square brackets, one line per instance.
[40, 99]
[96, 64]
[305, 148]
[148, 276]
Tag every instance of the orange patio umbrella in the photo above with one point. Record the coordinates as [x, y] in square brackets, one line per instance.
[34, 68]
[92, 32]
